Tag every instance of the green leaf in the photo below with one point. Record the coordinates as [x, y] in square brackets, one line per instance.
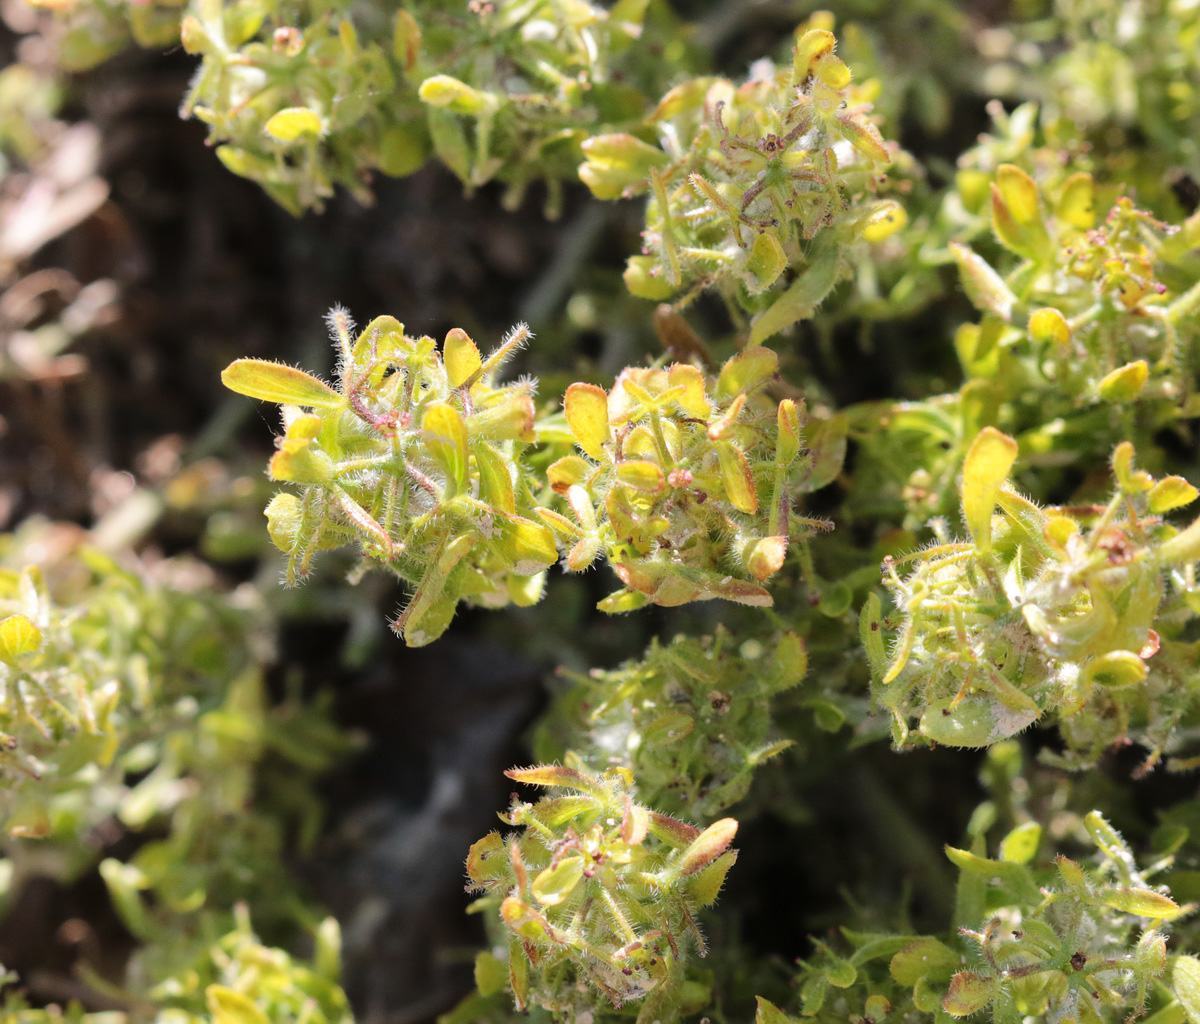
[555, 884]
[461, 357]
[642, 475]
[457, 97]
[617, 164]
[827, 443]
[976, 721]
[668, 728]
[1142, 902]
[708, 846]
[18, 638]
[230, 1007]
[1015, 877]
[1016, 215]
[445, 436]
[769, 1013]
[984, 287]
[293, 123]
[1185, 980]
[586, 406]
[870, 632]
[746, 371]
[1020, 846]
[1125, 383]
[1115, 669]
[705, 885]
[274, 382]
[767, 261]
[968, 992]
[737, 477]
[987, 465]
[926, 957]
[491, 974]
[803, 295]
[1171, 492]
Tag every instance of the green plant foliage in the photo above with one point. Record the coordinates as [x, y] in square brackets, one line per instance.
[686, 488]
[1040, 612]
[1042, 936]
[691, 718]
[598, 896]
[745, 177]
[135, 705]
[933, 469]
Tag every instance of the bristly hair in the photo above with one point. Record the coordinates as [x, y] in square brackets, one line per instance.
[339, 322]
[518, 337]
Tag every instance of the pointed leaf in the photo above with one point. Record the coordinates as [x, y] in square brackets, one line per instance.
[1142, 902]
[274, 382]
[984, 287]
[769, 1013]
[708, 846]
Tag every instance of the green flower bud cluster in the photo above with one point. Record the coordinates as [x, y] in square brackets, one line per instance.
[745, 177]
[687, 483]
[597, 897]
[1063, 941]
[1042, 612]
[1094, 310]
[416, 456]
[691, 719]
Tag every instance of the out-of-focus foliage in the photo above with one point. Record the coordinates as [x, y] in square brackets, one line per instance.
[303, 97]
[133, 704]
